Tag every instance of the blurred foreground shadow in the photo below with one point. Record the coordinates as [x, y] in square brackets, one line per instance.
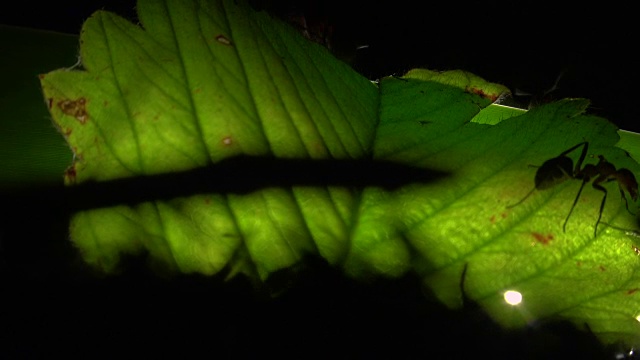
[44, 286]
[238, 175]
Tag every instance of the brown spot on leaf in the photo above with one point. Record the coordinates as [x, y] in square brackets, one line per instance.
[543, 239]
[224, 40]
[227, 140]
[50, 103]
[632, 291]
[481, 93]
[602, 268]
[636, 249]
[75, 108]
[492, 219]
[70, 174]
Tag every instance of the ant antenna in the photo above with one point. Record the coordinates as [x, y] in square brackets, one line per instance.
[521, 201]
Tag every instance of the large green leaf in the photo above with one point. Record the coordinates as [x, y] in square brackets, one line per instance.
[263, 104]
[206, 81]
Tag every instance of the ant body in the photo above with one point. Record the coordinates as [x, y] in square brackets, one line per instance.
[560, 168]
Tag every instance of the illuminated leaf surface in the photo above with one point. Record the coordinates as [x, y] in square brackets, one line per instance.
[206, 81]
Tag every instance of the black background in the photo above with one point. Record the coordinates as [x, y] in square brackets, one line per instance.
[52, 305]
[524, 45]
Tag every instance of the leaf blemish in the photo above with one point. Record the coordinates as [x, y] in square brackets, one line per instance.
[223, 40]
[481, 93]
[75, 108]
[544, 240]
[632, 291]
[70, 173]
[227, 140]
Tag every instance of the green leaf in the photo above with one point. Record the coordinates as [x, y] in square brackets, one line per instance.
[207, 81]
[230, 82]
[465, 220]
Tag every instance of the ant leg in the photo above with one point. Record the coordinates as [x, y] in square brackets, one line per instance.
[583, 154]
[627, 182]
[575, 201]
[463, 277]
[584, 151]
[626, 203]
[597, 186]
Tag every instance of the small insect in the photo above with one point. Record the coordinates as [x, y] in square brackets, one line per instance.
[560, 168]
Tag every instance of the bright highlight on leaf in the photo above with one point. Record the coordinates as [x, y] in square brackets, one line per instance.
[203, 81]
[512, 297]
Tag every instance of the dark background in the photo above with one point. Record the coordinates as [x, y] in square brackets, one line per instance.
[524, 45]
[53, 305]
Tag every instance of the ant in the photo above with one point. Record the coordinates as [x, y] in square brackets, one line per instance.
[560, 168]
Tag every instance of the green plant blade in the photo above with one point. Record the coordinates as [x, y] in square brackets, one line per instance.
[466, 220]
[207, 81]
[255, 83]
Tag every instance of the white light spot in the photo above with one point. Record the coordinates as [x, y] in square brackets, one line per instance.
[638, 317]
[512, 297]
